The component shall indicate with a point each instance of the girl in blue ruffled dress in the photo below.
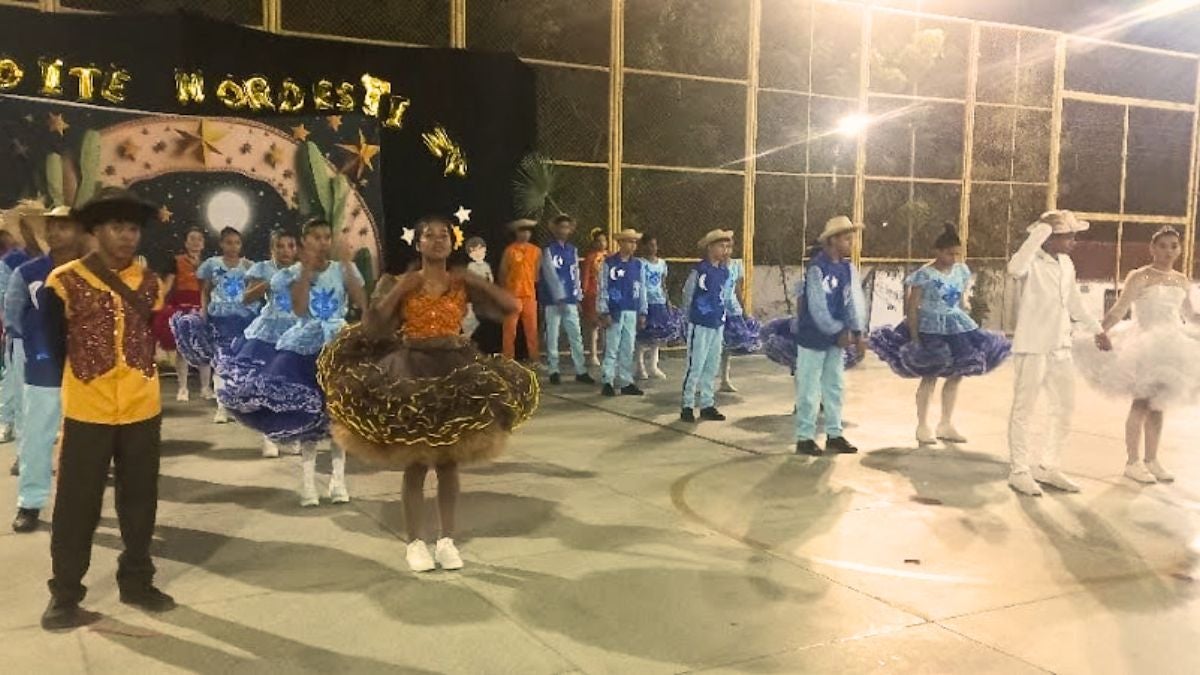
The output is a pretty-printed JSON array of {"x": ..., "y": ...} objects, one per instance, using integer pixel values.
[
  {"x": 663, "y": 320},
  {"x": 239, "y": 371},
  {"x": 939, "y": 339},
  {"x": 281, "y": 397},
  {"x": 205, "y": 338},
  {"x": 742, "y": 332}
]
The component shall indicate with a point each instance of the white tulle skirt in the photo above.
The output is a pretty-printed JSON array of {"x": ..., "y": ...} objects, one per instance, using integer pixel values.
[{"x": 1160, "y": 364}]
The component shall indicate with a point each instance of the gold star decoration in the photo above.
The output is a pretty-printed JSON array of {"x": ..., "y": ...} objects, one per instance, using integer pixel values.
[
  {"x": 20, "y": 149},
  {"x": 202, "y": 142},
  {"x": 360, "y": 156},
  {"x": 300, "y": 133},
  {"x": 334, "y": 121},
  {"x": 274, "y": 156},
  {"x": 128, "y": 149},
  {"x": 57, "y": 124},
  {"x": 164, "y": 215},
  {"x": 440, "y": 145}
]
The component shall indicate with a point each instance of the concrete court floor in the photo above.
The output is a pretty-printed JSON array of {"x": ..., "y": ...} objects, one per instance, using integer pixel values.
[{"x": 611, "y": 540}]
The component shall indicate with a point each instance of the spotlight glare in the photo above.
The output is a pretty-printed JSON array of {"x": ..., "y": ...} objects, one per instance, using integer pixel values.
[{"x": 853, "y": 125}]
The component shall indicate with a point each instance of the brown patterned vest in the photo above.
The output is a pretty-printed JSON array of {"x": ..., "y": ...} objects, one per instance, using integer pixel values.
[{"x": 92, "y": 333}]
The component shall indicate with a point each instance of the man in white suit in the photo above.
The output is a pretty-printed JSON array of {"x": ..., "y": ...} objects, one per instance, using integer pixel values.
[{"x": 1050, "y": 302}]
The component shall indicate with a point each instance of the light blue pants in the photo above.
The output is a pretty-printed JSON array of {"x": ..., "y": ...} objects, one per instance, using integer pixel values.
[
  {"x": 43, "y": 417},
  {"x": 704, "y": 347},
  {"x": 820, "y": 379},
  {"x": 565, "y": 317},
  {"x": 13, "y": 383},
  {"x": 617, "y": 368}
]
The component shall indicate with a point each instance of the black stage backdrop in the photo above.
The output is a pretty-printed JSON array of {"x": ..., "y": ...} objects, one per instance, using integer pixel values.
[{"x": 484, "y": 101}]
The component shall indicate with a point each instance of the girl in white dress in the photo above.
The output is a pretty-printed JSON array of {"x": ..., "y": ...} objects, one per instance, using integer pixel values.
[{"x": 1156, "y": 355}]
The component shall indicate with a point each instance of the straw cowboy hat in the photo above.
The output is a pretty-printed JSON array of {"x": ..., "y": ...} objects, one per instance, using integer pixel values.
[
  {"x": 715, "y": 236},
  {"x": 1061, "y": 222},
  {"x": 27, "y": 214},
  {"x": 837, "y": 225},
  {"x": 628, "y": 234},
  {"x": 522, "y": 224}
]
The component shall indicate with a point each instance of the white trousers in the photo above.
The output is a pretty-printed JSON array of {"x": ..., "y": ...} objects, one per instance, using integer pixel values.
[{"x": 1054, "y": 375}]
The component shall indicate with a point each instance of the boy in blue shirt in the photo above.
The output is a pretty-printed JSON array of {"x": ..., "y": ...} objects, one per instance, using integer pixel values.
[
  {"x": 705, "y": 302},
  {"x": 831, "y": 317},
  {"x": 562, "y": 289},
  {"x": 13, "y": 382},
  {"x": 621, "y": 306},
  {"x": 41, "y": 415}
]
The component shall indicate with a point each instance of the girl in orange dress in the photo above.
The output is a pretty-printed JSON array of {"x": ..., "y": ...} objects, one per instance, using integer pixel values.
[
  {"x": 406, "y": 388},
  {"x": 591, "y": 287},
  {"x": 181, "y": 288}
]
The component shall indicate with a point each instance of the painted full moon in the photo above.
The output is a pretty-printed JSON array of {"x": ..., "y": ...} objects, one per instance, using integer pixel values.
[{"x": 227, "y": 208}]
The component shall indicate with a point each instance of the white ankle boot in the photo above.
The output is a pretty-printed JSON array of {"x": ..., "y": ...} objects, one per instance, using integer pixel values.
[
  {"x": 338, "y": 494},
  {"x": 308, "y": 475}
]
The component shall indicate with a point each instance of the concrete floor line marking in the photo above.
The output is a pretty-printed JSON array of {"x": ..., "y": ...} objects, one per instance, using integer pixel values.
[
  {"x": 994, "y": 648},
  {"x": 463, "y": 583}
]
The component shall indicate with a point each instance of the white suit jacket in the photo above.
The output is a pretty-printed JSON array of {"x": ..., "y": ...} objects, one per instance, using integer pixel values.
[{"x": 1050, "y": 298}]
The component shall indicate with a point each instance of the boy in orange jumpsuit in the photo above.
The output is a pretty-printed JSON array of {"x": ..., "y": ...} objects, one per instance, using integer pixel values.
[{"x": 518, "y": 275}]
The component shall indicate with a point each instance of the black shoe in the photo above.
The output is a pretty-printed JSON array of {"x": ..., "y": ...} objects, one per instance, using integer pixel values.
[
  {"x": 15, "y": 469},
  {"x": 632, "y": 390},
  {"x": 584, "y": 378},
  {"x": 26, "y": 520},
  {"x": 841, "y": 446},
  {"x": 712, "y": 415},
  {"x": 148, "y": 598},
  {"x": 687, "y": 415},
  {"x": 61, "y": 615},
  {"x": 808, "y": 448},
  {"x": 608, "y": 390},
  {"x": 555, "y": 378}
]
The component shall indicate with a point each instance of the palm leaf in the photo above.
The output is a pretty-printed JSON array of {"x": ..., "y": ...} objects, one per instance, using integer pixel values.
[
  {"x": 89, "y": 166},
  {"x": 54, "y": 179},
  {"x": 534, "y": 186}
]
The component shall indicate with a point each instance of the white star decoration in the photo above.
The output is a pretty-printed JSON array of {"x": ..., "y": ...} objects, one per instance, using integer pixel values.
[
  {"x": 620, "y": 273},
  {"x": 463, "y": 214},
  {"x": 408, "y": 235}
]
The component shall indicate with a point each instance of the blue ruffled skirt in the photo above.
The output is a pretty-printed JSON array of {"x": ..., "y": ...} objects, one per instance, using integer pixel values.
[
  {"x": 779, "y": 345},
  {"x": 194, "y": 339},
  {"x": 664, "y": 325},
  {"x": 227, "y": 331},
  {"x": 273, "y": 391},
  {"x": 742, "y": 334},
  {"x": 959, "y": 355}
]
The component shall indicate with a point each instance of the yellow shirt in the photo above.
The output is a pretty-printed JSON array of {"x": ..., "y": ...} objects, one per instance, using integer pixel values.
[{"x": 110, "y": 376}]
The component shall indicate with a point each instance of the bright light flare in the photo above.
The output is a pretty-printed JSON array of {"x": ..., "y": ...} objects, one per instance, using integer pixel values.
[{"x": 853, "y": 125}]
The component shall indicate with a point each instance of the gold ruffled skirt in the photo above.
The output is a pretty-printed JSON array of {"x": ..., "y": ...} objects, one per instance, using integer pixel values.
[{"x": 401, "y": 402}]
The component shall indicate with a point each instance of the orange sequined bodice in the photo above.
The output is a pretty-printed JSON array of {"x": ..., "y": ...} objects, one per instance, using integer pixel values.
[
  {"x": 433, "y": 316},
  {"x": 185, "y": 274}
]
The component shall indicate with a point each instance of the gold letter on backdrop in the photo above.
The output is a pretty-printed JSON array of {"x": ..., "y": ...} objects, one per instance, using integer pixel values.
[
  {"x": 395, "y": 117},
  {"x": 231, "y": 94},
  {"x": 291, "y": 96},
  {"x": 87, "y": 81},
  {"x": 114, "y": 85},
  {"x": 258, "y": 94},
  {"x": 376, "y": 89},
  {"x": 345, "y": 92},
  {"x": 10, "y": 74},
  {"x": 323, "y": 95},
  {"x": 189, "y": 86},
  {"x": 51, "y": 76}
]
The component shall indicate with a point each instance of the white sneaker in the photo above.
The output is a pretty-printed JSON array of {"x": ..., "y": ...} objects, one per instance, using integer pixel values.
[
  {"x": 269, "y": 448},
  {"x": 1137, "y": 471},
  {"x": 1159, "y": 472},
  {"x": 727, "y": 387},
  {"x": 292, "y": 448},
  {"x": 418, "y": 556},
  {"x": 338, "y": 494},
  {"x": 659, "y": 374},
  {"x": 221, "y": 417},
  {"x": 1025, "y": 484},
  {"x": 207, "y": 394},
  {"x": 925, "y": 436},
  {"x": 447, "y": 554},
  {"x": 948, "y": 433},
  {"x": 1055, "y": 478},
  {"x": 308, "y": 495},
  {"x": 641, "y": 375},
  {"x": 6, "y": 433},
  {"x": 182, "y": 396}
]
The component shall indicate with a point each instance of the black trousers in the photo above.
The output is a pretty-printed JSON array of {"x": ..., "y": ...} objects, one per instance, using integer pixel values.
[{"x": 87, "y": 450}]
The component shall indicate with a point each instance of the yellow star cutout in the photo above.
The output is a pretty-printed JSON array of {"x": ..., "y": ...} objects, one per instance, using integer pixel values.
[
  {"x": 165, "y": 215},
  {"x": 57, "y": 124},
  {"x": 360, "y": 156},
  {"x": 202, "y": 142},
  {"x": 300, "y": 133},
  {"x": 128, "y": 149},
  {"x": 274, "y": 156},
  {"x": 334, "y": 121}
]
